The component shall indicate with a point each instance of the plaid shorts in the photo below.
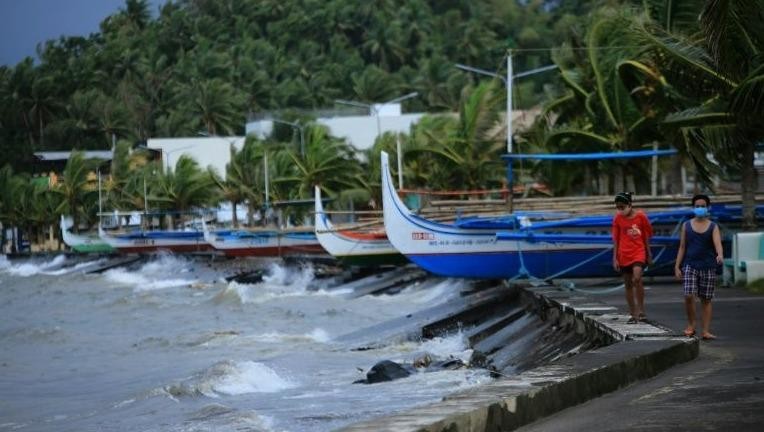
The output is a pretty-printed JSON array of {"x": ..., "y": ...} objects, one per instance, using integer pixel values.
[{"x": 699, "y": 282}]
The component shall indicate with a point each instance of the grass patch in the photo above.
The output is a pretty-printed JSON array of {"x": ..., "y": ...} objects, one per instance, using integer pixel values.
[{"x": 756, "y": 287}]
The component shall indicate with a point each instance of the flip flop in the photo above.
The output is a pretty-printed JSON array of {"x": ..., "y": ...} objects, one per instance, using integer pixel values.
[
  {"x": 642, "y": 317},
  {"x": 632, "y": 320},
  {"x": 708, "y": 337},
  {"x": 689, "y": 333}
]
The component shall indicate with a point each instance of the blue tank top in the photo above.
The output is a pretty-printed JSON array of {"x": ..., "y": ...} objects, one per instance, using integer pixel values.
[{"x": 700, "y": 253}]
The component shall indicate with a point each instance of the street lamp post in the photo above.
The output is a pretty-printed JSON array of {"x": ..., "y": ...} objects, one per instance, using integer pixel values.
[
  {"x": 508, "y": 84},
  {"x": 300, "y": 128},
  {"x": 375, "y": 109},
  {"x": 168, "y": 153}
]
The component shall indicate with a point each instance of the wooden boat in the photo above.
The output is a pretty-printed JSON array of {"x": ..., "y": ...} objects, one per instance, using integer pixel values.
[
  {"x": 83, "y": 243},
  {"x": 474, "y": 251},
  {"x": 354, "y": 246},
  {"x": 265, "y": 243},
  {"x": 139, "y": 241}
]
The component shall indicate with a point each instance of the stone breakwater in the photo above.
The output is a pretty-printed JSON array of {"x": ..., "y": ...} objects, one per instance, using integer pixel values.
[{"x": 621, "y": 354}]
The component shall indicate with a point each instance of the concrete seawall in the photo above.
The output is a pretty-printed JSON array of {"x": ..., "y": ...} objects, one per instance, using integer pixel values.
[{"x": 628, "y": 353}]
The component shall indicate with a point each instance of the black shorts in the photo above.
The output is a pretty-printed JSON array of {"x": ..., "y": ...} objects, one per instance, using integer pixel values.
[{"x": 629, "y": 269}]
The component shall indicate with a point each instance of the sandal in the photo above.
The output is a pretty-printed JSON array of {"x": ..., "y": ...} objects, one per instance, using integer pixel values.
[
  {"x": 632, "y": 320},
  {"x": 689, "y": 332},
  {"x": 708, "y": 337},
  {"x": 642, "y": 317}
]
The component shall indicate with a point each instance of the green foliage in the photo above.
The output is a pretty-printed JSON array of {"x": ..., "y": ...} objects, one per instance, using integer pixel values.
[{"x": 202, "y": 65}]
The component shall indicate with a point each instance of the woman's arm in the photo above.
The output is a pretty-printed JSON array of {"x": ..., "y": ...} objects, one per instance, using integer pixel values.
[
  {"x": 680, "y": 253},
  {"x": 717, "y": 236}
]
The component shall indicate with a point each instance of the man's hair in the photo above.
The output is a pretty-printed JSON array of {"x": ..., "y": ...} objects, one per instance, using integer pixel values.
[
  {"x": 703, "y": 197},
  {"x": 624, "y": 197}
]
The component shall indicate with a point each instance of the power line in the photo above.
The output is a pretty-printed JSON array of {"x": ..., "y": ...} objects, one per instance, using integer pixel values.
[{"x": 599, "y": 48}]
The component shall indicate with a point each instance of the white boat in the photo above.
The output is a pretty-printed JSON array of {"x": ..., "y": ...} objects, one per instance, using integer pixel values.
[
  {"x": 84, "y": 243},
  {"x": 451, "y": 250},
  {"x": 354, "y": 246},
  {"x": 271, "y": 243},
  {"x": 139, "y": 241}
]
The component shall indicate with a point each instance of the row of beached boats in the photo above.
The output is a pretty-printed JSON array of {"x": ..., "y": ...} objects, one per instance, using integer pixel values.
[{"x": 544, "y": 245}]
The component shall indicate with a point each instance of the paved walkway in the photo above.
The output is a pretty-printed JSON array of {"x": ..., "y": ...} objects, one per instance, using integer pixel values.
[{"x": 723, "y": 389}]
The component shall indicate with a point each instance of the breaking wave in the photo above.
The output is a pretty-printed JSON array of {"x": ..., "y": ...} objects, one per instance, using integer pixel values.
[
  {"x": 31, "y": 268},
  {"x": 278, "y": 282},
  {"x": 317, "y": 335},
  {"x": 153, "y": 275},
  {"x": 231, "y": 378}
]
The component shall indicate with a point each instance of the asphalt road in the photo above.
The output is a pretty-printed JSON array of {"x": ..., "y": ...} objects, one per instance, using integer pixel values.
[{"x": 723, "y": 389}]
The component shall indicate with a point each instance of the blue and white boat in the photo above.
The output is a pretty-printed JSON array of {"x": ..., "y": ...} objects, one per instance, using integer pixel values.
[
  {"x": 264, "y": 243},
  {"x": 139, "y": 241},
  {"x": 502, "y": 248}
]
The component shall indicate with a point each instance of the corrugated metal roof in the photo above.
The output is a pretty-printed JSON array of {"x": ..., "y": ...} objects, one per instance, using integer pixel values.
[{"x": 64, "y": 155}]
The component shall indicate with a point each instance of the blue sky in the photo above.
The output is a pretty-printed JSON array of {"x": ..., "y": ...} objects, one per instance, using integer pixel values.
[{"x": 25, "y": 23}]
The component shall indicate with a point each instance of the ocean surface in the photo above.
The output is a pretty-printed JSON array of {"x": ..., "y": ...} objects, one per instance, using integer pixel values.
[{"x": 170, "y": 345}]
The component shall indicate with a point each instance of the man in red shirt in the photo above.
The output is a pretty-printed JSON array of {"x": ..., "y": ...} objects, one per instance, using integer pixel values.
[{"x": 631, "y": 252}]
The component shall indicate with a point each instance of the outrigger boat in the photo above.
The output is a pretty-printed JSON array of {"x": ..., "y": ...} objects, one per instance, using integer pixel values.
[
  {"x": 354, "y": 246},
  {"x": 155, "y": 241},
  {"x": 270, "y": 243},
  {"x": 83, "y": 243},
  {"x": 139, "y": 240},
  {"x": 503, "y": 247}
]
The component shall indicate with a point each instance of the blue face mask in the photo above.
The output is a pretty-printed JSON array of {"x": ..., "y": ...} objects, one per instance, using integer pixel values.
[{"x": 700, "y": 212}]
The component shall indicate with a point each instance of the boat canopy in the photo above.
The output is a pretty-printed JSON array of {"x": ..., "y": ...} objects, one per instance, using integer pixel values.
[{"x": 590, "y": 156}]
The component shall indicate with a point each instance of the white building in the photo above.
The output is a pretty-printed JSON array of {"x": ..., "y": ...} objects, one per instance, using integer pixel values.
[
  {"x": 360, "y": 130},
  {"x": 207, "y": 151}
]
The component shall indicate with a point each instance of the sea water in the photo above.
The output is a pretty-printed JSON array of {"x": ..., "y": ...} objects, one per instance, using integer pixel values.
[{"x": 170, "y": 345}]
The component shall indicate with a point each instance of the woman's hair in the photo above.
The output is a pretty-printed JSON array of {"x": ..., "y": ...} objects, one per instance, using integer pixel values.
[
  {"x": 701, "y": 196},
  {"x": 623, "y": 197}
]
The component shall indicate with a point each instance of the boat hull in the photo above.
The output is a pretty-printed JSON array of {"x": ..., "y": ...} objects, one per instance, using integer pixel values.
[
  {"x": 84, "y": 243},
  {"x": 542, "y": 264},
  {"x": 264, "y": 244},
  {"x": 354, "y": 247},
  {"x": 448, "y": 250},
  {"x": 152, "y": 242}
]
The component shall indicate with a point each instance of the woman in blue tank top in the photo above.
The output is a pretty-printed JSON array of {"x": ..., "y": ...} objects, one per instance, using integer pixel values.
[{"x": 700, "y": 252}]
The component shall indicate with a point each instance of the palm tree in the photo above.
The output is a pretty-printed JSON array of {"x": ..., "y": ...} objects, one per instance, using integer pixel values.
[
  {"x": 328, "y": 161},
  {"x": 600, "y": 110},
  {"x": 74, "y": 187},
  {"x": 216, "y": 103},
  {"x": 718, "y": 77},
  {"x": 185, "y": 187},
  {"x": 233, "y": 189},
  {"x": 467, "y": 149},
  {"x": 13, "y": 188}
]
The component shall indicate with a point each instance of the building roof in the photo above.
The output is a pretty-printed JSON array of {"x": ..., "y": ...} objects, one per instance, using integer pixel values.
[{"x": 65, "y": 155}]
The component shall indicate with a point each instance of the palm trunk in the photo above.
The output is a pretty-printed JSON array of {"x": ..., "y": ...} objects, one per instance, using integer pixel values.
[
  {"x": 749, "y": 184},
  {"x": 235, "y": 218}
]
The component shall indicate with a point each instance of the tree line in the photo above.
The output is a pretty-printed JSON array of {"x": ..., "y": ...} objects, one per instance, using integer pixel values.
[{"x": 631, "y": 75}]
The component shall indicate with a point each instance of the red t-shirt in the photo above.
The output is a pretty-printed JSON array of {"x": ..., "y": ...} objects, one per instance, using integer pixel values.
[{"x": 631, "y": 234}]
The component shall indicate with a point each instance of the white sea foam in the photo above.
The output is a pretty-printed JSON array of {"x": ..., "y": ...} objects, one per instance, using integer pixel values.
[
  {"x": 251, "y": 377},
  {"x": 73, "y": 269},
  {"x": 432, "y": 292},
  {"x": 152, "y": 275},
  {"x": 231, "y": 378},
  {"x": 165, "y": 262},
  {"x": 33, "y": 268},
  {"x": 287, "y": 279},
  {"x": 317, "y": 335},
  {"x": 278, "y": 282},
  {"x": 454, "y": 345},
  {"x": 439, "y": 348},
  {"x": 143, "y": 283}
]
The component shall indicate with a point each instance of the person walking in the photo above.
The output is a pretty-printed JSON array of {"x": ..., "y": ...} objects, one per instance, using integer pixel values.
[
  {"x": 631, "y": 252},
  {"x": 700, "y": 253}
]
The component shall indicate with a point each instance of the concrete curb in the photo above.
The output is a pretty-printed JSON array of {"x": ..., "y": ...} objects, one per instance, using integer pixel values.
[{"x": 634, "y": 352}]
